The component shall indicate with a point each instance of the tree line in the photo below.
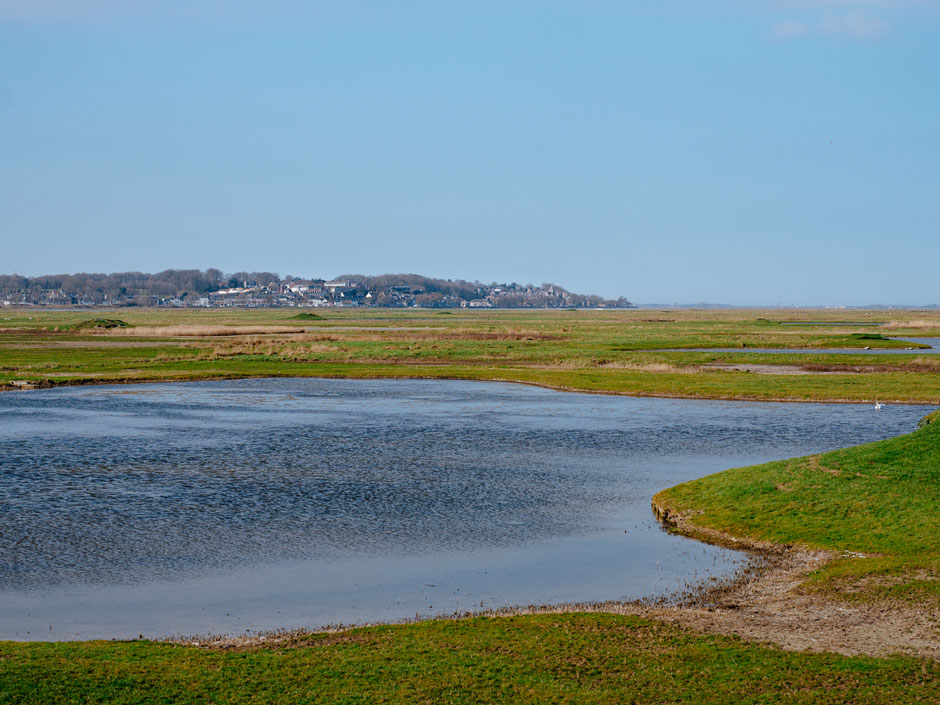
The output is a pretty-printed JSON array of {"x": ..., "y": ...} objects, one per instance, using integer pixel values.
[{"x": 139, "y": 288}]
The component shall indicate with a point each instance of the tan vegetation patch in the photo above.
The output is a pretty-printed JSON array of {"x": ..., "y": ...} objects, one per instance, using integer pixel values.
[
  {"x": 267, "y": 347},
  {"x": 589, "y": 363},
  {"x": 190, "y": 330},
  {"x": 813, "y": 463},
  {"x": 916, "y": 323},
  {"x": 660, "y": 367},
  {"x": 454, "y": 334}
]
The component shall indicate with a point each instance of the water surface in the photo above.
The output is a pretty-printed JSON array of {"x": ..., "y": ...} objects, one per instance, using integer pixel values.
[
  {"x": 257, "y": 504},
  {"x": 933, "y": 350}
]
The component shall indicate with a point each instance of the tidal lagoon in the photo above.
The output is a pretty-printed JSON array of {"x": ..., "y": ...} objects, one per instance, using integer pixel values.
[{"x": 252, "y": 505}]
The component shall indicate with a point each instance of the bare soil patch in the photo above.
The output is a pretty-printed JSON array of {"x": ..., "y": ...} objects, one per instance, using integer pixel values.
[
  {"x": 765, "y": 603},
  {"x": 769, "y": 607},
  {"x": 918, "y": 365},
  {"x": 774, "y": 369}
]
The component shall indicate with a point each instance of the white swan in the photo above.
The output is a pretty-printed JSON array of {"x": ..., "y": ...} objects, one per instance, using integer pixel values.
[{"x": 879, "y": 405}]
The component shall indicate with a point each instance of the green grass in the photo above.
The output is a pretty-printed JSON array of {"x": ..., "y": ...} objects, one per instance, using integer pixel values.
[
  {"x": 878, "y": 500},
  {"x": 569, "y": 658},
  {"x": 623, "y": 352}
]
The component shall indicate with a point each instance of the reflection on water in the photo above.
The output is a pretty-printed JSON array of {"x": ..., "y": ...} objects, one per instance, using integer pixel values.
[{"x": 257, "y": 504}]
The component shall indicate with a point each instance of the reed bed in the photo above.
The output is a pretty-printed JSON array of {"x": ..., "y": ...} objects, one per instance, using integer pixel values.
[
  {"x": 270, "y": 348},
  {"x": 919, "y": 323},
  {"x": 197, "y": 331}
]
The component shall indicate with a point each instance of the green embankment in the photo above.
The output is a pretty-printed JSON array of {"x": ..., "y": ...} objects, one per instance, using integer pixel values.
[
  {"x": 574, "y": 658},
  {"x": 878, "y": 505}
]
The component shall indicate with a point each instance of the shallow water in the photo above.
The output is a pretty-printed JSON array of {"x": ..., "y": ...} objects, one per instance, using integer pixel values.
[
  {"x": 257, "y": 504},
  {"x": 933, "y": 350}
]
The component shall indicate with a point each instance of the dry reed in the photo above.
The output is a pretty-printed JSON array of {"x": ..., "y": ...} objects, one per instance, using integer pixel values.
[
  {"x": 917, "y": 323},
  {"x": 182, "y": 331}
]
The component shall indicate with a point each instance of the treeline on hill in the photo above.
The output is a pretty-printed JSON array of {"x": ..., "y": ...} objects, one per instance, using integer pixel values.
[
  {"x": 189, "y": 287},
  {"x": 121, "y": 286},
  {"x": 416, "y": 283},
  {"x": 503, "y": 295}
]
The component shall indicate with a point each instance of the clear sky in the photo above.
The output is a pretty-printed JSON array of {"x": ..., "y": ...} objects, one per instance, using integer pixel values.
[{"x": 754, "y": 152}]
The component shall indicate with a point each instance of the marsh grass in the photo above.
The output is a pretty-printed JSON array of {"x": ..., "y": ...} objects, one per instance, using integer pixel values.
[
  {"x": 542, "y": 658},
  {"x": 619, "y": 352},
  {"x": 196, "y": 331},
  {"x": 876, "y": 504},
  {"x": 914, "y": 324}
]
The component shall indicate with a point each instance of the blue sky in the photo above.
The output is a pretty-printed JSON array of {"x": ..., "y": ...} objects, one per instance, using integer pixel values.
[{"x": 761, "y": 152}]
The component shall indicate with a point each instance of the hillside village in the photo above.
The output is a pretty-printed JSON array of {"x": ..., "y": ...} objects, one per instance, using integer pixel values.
[{"x": 212, "y": 289}]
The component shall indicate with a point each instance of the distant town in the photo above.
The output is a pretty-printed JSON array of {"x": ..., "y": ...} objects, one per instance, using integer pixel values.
[{"x": 175, "y": 288}]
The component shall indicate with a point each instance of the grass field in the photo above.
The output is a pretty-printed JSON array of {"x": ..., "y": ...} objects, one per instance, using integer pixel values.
[
  {"x": 876, "y": 504},
  {"x": 571, "y": 658},
  {"x": 637, "y": 352}
]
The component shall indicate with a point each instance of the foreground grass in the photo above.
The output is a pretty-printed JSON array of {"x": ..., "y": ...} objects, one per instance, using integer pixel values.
[
  {"x": 568, "y": 658},
  {"x": 635, "y": 352},
  {"x": 876, "y": 504}
]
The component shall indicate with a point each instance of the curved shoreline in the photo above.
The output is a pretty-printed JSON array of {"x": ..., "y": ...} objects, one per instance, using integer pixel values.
[
  {"x": 12, "y": 386},
  {"x": 772, "y": 608},
  {"x": 759, "y": 603}
]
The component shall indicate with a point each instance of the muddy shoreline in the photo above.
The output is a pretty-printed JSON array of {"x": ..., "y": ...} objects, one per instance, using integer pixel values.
[{"x": 761, "y": 602}]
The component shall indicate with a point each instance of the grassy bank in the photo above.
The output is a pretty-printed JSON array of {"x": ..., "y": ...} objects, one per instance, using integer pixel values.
[
  {"x": 574, "y": 658},
  {"x": 622, "y": 352},
  {"x": 875, "y": 504}
]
